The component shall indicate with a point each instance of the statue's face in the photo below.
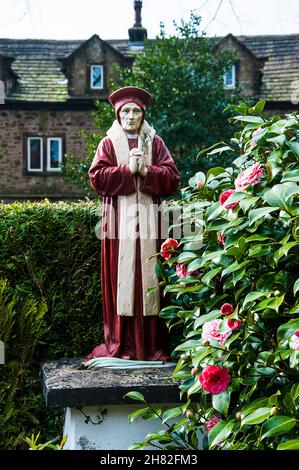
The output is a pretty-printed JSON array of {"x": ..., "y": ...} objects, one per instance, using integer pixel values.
[{"x": 131, "y": 117}]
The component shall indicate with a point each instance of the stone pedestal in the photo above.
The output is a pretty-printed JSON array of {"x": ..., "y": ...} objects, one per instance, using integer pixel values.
[{"x": 96, "y": 413}]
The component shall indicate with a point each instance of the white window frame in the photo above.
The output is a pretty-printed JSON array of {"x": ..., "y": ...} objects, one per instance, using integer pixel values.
[
  {"x": 49, "y": 139},
  {"x": 101, "y": 86},
  {"x": 29, "y": 154},
  {"x": 233, "y": 84}
]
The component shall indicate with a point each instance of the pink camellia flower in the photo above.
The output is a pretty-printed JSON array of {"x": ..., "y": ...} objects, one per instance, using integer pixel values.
[
  {"x": 226, "y": 309},
  {"x": 211, "y": 423},
  {"x": 214, "y": 379},
  {"x": 249, "y": 177},
  {"x": 181, "y": 271},
  {"x": 224, "y": 196},
  {"x": 295, "y": 344},
  {"x": 252, "y": 143},
  {"x": 234, "y": 324},
  {"x": 168, "y": 247},
  {"x": 210, "y": 330},
  {"x": 257, "y": 131},
  {"x": 221, "y": 238},
  {"x": 297, "y": 333}
]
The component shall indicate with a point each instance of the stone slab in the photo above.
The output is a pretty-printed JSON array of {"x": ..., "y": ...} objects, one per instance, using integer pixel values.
[{"x": 67, "y": 384}]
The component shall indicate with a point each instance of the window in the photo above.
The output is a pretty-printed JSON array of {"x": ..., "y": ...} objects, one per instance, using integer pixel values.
[
  {"x": 54, "y": 153},
  {"x": 34, "y": 154},
  {"x": 230, "y": 78},
  {"x": 96, "y": 77},
  {"x": 44, "y": 154}
]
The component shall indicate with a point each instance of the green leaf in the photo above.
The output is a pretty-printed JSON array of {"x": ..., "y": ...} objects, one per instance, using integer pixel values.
[
  {"x": 220, "y": 432},
  {"x": 253, "y": 119},
  {"x": 158, "y": 436},
  {"x": 248, "y": 203},
  {"x": 206, "y": 279},
  {"x": 294, "y": 146},
  {"x": 296, "y": 287},
  {"x": 295, "y": 392},
  {"x": 221, "y": 401},
  {"x": 287, "y": 329},
  {"x": 289, "y": 403},
  {"x": 196, "y": 360},
  {"x": 255, "y": 405},
  {"x": 205, "y": 150},
  {"x": 214, "y": 211},
  {"x": 273, "y": 302},
  {"x": 260, "y": 250},
  {"x": 259, "y": 107},
  {"x": 194, "y": 265},
  {"x": 292, "y": 175},
  {"x": 172, "y": 413},
  {"x": 135, "y": 396},
  {"x": 205, "y": 318},
  {"x": 211, "y": 256},
  {"x": 237, "y": 197},
  {"x": 257, "y": 238},
  {"x": 217, "y": 170},
  {"x": 194, "y": 388},
  {"x": 135, "y": 414},
  {"x": 219, "y": 150},
  {"x": 283, "y": 250},
  {"x": 256, "y": 214},
  {"x": 188, "y": 345},
  {"x": 277, "y": 425},
  {"x": 186, "y": 256},
  {"x": 257, "y": 416},
  {"x": 292, "y": 444},
  {"x": 234, "y": 267},
  {"x": 281, "y": 195},
  {"x": 152, "y": 414},
  {"x": 252, "y": 296}
]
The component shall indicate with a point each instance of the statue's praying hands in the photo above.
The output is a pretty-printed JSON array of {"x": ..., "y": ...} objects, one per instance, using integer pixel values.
[{"x": 137, "y": 162}]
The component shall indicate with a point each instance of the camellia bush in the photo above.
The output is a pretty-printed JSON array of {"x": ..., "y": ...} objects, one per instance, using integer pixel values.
[{"x": 233, "y": 290}]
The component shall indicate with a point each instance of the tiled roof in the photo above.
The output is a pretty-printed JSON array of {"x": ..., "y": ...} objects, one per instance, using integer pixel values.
[
  {"x": 281, "y": 68},
  {"x": 39, "y": 72},
  {"x": 40, "y": 77}
]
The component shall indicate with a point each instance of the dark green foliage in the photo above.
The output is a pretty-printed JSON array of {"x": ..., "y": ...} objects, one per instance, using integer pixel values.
[
  {"x": 246, "y": 257},
  {"x": 185, "y": 77},
  {"x": 50, "y": 305}
]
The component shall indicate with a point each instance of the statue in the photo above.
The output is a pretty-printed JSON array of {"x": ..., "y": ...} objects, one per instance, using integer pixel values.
[{"x": 132, "y": 169}]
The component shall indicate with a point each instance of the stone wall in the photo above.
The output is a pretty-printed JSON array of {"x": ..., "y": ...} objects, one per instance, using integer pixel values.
[{"x": 15, "y": 125}]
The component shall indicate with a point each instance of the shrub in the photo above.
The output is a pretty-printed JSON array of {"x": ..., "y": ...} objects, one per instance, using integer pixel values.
[
  {"x": 50, "y": 305},
  {"x": 238, "y": 358}
]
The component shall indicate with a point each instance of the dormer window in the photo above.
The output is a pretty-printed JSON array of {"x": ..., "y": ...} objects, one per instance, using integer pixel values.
[
  {"x": 96, "y": 77},
  {"x": 229, "y": 78}
]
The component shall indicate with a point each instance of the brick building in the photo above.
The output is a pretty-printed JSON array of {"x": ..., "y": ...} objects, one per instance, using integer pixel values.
[{"x": 50, "y": 88}]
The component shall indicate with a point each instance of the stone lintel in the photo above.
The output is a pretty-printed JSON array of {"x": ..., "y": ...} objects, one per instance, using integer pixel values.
[{"x": 67, "y": 384}]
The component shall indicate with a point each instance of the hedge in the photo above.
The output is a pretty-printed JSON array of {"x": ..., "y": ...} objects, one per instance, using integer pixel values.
[{"x": 50, "y": 305}]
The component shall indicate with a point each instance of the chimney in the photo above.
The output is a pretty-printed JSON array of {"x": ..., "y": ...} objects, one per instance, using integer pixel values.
[{"x": 137, "y": 34}]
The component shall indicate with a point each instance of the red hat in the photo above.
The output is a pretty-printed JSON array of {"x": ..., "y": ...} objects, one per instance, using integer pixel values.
[{"x": 130, "y": 94}]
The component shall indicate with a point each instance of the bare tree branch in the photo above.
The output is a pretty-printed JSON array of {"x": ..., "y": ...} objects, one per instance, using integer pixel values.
[
  {"x": 215, "y": 15},
  {"x": 235, "y": 14}
]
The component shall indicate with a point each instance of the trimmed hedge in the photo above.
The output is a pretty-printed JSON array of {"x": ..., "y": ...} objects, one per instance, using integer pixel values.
[{"x": 50, "y": 304}]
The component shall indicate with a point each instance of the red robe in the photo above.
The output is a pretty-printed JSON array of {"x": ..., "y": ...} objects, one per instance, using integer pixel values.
[{"x": 138, "y": 337}]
